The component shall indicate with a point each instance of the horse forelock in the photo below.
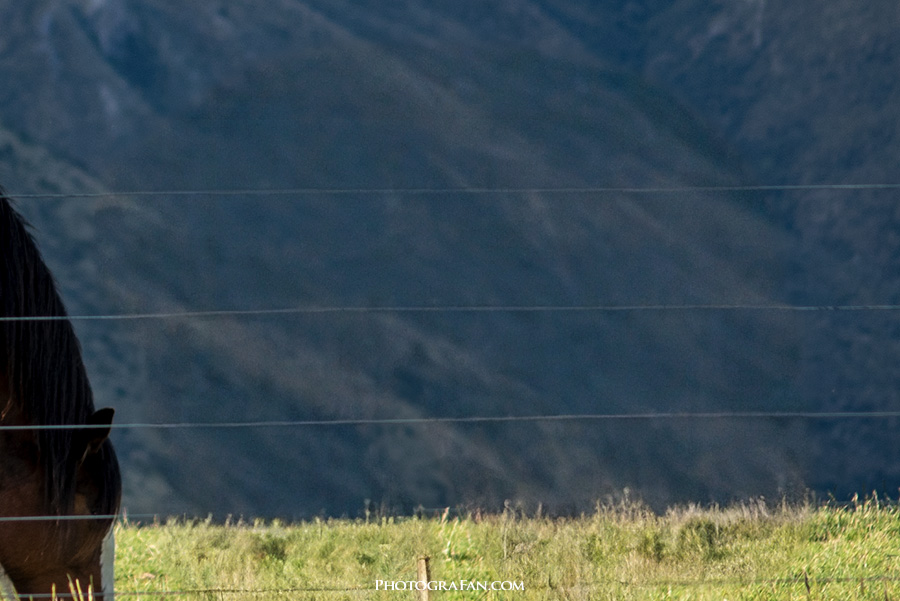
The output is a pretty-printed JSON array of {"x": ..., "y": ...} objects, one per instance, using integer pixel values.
[{"x": 43, "y": 362}]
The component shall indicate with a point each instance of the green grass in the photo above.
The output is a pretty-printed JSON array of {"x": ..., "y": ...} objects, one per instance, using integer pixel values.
[{"x": 750, "y": 551}]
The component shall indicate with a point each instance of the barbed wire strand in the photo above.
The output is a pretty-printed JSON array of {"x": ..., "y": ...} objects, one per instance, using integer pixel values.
[
  {"x": 431, "y": 191},
  {"x": 481, "y": 419},
  {"x": 314, "y": 310},
  {"x": 790, "y": 580}
]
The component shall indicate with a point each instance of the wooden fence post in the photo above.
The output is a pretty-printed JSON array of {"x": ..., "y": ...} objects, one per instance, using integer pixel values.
[{"x": 424, "y": 577}]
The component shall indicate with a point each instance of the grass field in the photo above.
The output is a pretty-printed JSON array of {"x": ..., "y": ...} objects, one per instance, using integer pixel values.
[{"x": 750, "y": 551}]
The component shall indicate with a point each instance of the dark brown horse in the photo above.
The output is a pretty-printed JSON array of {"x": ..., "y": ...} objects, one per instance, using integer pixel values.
[{"x": 52, "y": 480}]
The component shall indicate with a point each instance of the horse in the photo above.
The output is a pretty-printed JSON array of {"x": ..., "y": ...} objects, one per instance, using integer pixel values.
[{"x": 53, "y": 480}]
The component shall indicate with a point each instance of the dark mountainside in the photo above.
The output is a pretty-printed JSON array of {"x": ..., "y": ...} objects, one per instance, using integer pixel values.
[{"x": 129, "y": 96}]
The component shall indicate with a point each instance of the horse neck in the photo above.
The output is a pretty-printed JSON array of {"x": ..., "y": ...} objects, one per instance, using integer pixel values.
[
  {"x": 17, "y": 447},
  {"x": 44, "y": 371}
]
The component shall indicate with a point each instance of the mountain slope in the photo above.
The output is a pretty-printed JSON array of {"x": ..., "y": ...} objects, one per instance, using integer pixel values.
[{"x": 340, "y": 99}]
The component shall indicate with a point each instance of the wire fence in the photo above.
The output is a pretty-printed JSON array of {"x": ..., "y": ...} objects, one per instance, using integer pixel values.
[
  {"x": 802, "y": 580},
  {"x": 479, "y": 191},
  {"x": 500, "y": 419},
  {"x": 405, "y": 421},
  {"x": 315, "y": 310}
]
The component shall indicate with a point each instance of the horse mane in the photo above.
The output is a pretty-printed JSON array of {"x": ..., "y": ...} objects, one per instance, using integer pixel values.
[{"x": 44, "y": 367}]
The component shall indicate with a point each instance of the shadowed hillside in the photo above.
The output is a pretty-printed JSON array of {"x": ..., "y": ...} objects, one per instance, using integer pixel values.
[{"x": 516, "y": 95}]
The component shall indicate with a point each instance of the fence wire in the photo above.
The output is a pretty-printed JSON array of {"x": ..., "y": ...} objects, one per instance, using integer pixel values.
[
  {"x": 487, "y": 419},
  {"x": 318, "y": 310},
  {"x": 474, "y": 190},
  {"x": 805, "y": 581}
]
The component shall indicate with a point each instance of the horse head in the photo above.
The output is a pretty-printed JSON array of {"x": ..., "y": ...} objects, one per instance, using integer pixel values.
[
  {"x": 59, "y": 478},
  {"x": 41, "y": 553}
]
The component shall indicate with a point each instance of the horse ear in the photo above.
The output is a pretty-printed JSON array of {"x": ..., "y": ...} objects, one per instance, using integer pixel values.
[{"x": 90, "y": 439}]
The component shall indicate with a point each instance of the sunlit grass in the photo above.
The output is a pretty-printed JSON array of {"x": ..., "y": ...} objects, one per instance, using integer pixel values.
[{"x": 750, "y": 552}]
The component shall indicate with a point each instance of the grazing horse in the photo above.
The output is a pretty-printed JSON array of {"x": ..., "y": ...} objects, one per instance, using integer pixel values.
[{"x": 61, "y": 475}]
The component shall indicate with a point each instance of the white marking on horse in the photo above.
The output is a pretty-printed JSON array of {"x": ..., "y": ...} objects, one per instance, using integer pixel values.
[
  {"x": 107, "y": 565},
  {"x": 7, "y": 590}
]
